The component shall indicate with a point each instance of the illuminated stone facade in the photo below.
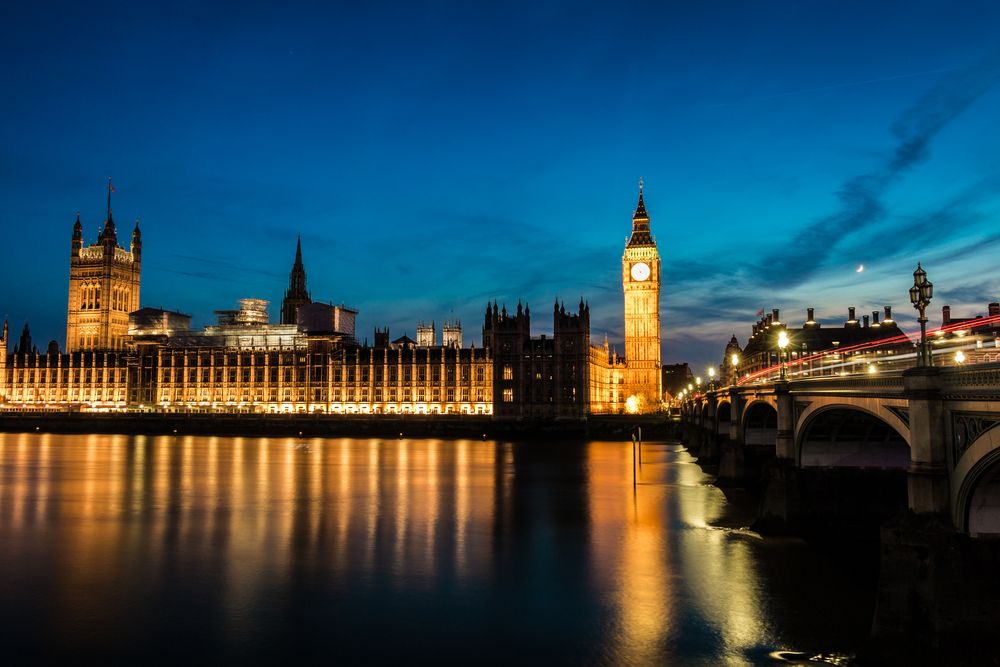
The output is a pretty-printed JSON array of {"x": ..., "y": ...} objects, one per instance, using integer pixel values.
[
  {"x": 56, "y": 380},
  {"x": 641, "y": 284},
  {"x": 103, "y": 288},
  {"x": 607, "y": 380},
  {"x": 121, "y": 357}
]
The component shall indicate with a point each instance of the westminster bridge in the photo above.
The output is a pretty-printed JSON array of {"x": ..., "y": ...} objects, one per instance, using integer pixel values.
[
  {"x": 915, "y": 452},
  {"x": 939, "y": 426}
]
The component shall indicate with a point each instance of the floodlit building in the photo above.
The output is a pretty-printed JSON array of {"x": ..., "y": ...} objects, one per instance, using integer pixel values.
[
  {"x": 120, "y": 356},
  {"x": 103, "y": 287}
]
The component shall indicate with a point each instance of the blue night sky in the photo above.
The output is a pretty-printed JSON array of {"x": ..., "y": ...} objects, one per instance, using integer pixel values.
[{"x": 437, "y": 155}]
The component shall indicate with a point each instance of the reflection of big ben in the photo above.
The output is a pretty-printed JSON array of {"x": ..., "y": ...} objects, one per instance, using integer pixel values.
[{"x": 641, "y": 282}]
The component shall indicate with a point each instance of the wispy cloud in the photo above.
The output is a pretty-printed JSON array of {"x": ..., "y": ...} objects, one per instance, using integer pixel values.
[{"x": 861, "y": 195}]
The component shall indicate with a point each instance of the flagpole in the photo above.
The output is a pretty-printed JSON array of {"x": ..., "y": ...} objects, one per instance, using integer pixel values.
[{"x": 109, "y": 198}]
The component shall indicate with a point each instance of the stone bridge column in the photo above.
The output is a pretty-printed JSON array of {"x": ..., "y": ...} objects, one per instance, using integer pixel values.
[
  {"x": 736, "y": 416},
  {"x": 784, "y": 445},
  {"x": 928, "y": 480},
  {"x": 711, "y": 407},
  {"x": 709, "y": 428}
]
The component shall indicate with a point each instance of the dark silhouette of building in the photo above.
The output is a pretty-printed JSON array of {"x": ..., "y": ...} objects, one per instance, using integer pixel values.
[
  {"x": 539, "y": 377},
  {"x": 675, "y": 378},
  {"x": 296, "y": 295}
]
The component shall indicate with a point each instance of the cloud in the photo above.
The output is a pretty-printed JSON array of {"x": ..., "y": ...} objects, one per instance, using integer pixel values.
[
  {"x": 861, "y": 195},
  {"x": 977, "y": 293}
]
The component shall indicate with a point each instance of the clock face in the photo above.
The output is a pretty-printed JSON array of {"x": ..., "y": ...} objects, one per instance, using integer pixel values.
[{"x": 640, "y": 271}]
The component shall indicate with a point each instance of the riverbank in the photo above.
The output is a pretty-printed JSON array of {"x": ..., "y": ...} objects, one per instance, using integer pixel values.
[{"x": 611, "y": 427}]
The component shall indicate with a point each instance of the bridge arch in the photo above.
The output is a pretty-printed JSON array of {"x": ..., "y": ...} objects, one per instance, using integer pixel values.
[
  {"x": 760, "y": 424},
  {"x": 850, "y": 436},
  {"x": 977, "y": 505},
  {"x": 723, "y": 417}
]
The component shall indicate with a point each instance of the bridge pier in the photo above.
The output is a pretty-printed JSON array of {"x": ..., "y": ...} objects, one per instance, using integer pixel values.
[
  {"x": 936, "y": 585},
  {"x": 928, "y": 479},
  {"x": 938, "y": 597},
  {"x": 784, "y": 445},
  {"x": 896, "y": 467}
]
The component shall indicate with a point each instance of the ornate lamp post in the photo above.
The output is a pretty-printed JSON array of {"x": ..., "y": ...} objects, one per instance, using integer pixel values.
[
  {"x": 782, "y": 344},
  {"x": 735, "y": 362},
  {"x": 711, "y": 377},
  {"x": 920, "y": 297}
]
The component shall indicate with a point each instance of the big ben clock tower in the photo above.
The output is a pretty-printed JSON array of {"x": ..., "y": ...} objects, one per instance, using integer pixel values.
[{"x": 641, "y": 283}]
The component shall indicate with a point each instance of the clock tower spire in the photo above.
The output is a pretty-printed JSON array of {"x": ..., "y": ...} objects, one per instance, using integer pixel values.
[{"x": 641, "y": 285}]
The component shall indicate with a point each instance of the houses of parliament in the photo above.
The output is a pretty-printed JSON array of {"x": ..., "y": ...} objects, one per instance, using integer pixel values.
[{"x": 120, "y": 356}]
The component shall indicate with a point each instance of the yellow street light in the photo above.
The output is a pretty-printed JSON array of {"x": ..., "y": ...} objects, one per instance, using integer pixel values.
[
  {"x": 782, "y": 344},
  {"x": 959, "y": 357}
]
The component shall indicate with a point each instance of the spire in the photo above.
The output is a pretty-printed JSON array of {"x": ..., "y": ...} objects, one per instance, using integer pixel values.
[
  {"x": 25, "y": 343},
  {"x": 640, "y": 208},
  {"x": 296, "y": 295},
  {"x": 109, "y": 232},
  {"x": 640, "y": 224}
]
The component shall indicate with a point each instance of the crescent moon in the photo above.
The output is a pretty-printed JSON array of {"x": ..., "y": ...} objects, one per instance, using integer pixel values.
[{"x": 861, "y": 267}]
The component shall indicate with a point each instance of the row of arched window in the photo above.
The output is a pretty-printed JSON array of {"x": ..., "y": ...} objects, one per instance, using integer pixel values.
[{"x": 90, "y": 297}]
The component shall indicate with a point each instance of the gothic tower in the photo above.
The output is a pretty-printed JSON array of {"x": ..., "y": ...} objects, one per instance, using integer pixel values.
[
  {"x": 641, "y": 284},
  {"x": 296, "y": 295},
  {"x": 103, "y": 287}
]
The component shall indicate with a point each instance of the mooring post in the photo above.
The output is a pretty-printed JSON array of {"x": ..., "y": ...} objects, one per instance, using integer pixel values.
[
  {"x": 640, "y": 447},
  {"x": 633, "y": 460}
]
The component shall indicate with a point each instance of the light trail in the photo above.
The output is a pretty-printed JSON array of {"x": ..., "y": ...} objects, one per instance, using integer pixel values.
[{"x": 884, "y": 363}]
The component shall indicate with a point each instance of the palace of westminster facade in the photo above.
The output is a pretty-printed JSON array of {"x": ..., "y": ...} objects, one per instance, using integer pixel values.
[{"x": 121, "y": 357}]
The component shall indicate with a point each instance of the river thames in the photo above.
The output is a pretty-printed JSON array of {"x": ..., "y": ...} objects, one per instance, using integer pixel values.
[{"x": 211, "y": 549}]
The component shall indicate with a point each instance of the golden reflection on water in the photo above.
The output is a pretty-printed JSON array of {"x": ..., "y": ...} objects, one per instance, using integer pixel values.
[{"x": 256, "y": 515}]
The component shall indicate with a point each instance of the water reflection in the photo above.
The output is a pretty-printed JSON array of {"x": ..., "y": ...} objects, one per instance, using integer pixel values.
[{"x": 375, "y": 549}]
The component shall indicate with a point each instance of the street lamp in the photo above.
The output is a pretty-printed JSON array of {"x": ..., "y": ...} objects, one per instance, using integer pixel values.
[
  {"x": 711, "y": 377},
  {"x": 959, "y": 357},
  {"x": 735, "y": 362},
  {"x": 920, "y": 297},
  {"x": 782, "y": 344}
]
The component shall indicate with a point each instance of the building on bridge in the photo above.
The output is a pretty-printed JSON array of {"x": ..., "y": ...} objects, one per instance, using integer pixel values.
[
  {"x": 977, "y": 338},
  {"x": 856, "y": 344}
]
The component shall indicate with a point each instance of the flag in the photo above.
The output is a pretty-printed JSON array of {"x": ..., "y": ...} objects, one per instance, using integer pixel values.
[
  {"x": 760, "y": 313},
  {"x": 111, "y": 188}
]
